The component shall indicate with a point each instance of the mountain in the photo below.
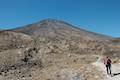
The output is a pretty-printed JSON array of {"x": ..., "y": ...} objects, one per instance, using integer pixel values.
[
  {"x": 53, "y": 50},
  {"x": 56, "y": 28}
]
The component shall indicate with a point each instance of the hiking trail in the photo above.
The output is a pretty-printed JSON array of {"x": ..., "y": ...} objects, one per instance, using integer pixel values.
[{"x": 115, "y": 70}]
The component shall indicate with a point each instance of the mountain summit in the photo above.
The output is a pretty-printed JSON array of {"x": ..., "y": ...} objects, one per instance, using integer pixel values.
[{"x": 57, "y": 28}]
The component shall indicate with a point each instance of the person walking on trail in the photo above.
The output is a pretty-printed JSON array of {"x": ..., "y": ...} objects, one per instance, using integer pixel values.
[{"x": 107, "y": 62}]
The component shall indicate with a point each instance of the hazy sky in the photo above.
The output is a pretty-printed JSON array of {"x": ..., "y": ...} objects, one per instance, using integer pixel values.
[{"x": 102, "y": 16}]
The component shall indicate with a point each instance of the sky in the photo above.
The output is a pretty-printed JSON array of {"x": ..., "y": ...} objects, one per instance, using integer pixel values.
[{"x": 101, "y": 16}]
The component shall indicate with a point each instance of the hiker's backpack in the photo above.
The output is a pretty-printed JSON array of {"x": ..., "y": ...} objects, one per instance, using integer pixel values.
[{"x": 108, "y": 61}]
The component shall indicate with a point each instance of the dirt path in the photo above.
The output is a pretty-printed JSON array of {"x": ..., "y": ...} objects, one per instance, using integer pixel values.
[{"x": 115, "y": 70}]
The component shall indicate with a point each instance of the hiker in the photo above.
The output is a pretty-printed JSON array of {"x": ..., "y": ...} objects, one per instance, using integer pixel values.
[{"x": 107, "y": 62}]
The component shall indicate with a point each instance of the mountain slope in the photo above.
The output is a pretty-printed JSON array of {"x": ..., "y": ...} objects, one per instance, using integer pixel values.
[
  {"x": 56, "y": 28},
  {"x": 13, "y": 40}
]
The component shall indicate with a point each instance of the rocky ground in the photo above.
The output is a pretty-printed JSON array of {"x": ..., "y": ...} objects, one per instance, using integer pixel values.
[{"x": 66, "y": 67}]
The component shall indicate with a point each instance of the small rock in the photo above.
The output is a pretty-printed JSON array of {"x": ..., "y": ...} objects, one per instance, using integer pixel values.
[
  {"x": 58, "y": 75},
  {"x": 30, "y": 75}
]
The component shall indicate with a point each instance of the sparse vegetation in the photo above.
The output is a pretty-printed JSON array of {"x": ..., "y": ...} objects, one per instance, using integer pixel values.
[{"x": 52, "y": 50}]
